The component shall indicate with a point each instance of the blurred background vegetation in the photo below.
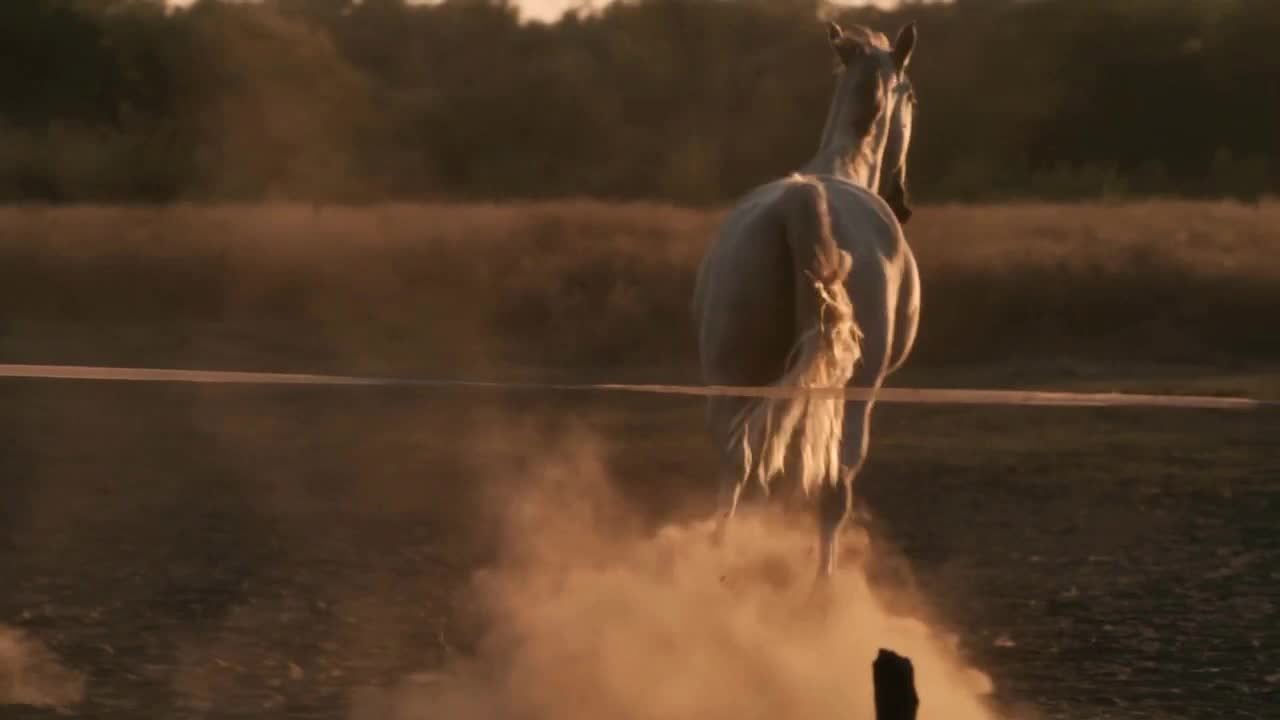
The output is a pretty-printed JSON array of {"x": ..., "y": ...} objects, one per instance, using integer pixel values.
[{"x": 687, "y": 101}]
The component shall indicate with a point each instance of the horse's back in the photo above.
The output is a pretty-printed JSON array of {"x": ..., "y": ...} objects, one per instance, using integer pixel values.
[
  {"x": 744, "y": 300},
  {"x": 866, "y": 228},
  {"x": 863, "y": 224}
]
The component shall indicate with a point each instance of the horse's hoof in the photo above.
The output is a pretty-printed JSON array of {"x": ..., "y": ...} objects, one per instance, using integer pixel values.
[{"x": 822, "y": 594}]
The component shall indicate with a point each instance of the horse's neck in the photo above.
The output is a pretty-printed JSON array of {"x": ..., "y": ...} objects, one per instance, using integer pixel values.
[
  {"x": 841, "y": 153},
  {"x": 855, "y": 164}
]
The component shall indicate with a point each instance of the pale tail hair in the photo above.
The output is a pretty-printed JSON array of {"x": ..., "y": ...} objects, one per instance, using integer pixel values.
[{"x": 801, "y": 435}]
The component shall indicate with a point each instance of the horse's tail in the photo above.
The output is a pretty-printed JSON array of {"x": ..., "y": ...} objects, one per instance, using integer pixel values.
[{"x": 801, "y": 435}]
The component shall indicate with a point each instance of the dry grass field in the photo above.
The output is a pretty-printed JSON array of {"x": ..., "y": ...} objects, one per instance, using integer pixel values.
[
  {"x": 213, "y": 552},
  {"x": 584, "y": 286}
]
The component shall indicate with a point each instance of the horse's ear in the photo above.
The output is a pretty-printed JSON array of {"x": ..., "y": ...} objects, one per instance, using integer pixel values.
[
  {"x": 845, "y": 47},
  {"x": 834, "y": 33},
  {"x": 904, "y": 45}
]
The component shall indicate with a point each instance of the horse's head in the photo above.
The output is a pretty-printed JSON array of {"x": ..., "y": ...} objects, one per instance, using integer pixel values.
[
  {"x": 893, "y": 170},
  {"x": 878, "y": 94}
]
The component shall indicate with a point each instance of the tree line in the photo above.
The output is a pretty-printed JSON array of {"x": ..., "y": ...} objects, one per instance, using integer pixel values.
[{"x": 690, "y": 101}]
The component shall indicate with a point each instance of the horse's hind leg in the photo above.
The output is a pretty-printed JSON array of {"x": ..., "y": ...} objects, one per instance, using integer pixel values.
[
  {"x": 836, "y": 501},
  {"x": 732, "y": 470},
  {"x": 731, "y": 485}
]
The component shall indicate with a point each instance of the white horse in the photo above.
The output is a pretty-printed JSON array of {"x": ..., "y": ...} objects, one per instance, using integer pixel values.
[{"x": 810, "y": 284}]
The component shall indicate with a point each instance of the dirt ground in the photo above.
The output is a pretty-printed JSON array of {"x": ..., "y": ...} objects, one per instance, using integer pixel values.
[
  {"x": 230, "y": 552},
  {"x": 215, "y": 552}
]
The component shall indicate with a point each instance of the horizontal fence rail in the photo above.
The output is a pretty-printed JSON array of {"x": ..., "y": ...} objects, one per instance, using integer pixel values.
[{"x": 920, "y": 396}]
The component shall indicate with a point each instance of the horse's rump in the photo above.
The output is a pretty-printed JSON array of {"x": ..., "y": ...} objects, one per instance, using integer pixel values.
[{"x": 800, "y": 436}]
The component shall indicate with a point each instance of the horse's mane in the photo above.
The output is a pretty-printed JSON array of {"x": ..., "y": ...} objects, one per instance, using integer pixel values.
[{"x": 863, "y": 35}]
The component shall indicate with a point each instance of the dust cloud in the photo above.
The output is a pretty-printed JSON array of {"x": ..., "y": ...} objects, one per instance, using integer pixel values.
[
  {"x": 590, "y": 616},
  {"x": 30, "y": 674}
]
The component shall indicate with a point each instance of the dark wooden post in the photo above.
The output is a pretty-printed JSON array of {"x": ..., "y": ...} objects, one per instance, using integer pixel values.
[{"x": 895, "y": 683}]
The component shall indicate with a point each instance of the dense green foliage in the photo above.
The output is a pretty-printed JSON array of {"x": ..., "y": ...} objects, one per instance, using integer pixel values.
[{"x": 687, "y": 100}]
